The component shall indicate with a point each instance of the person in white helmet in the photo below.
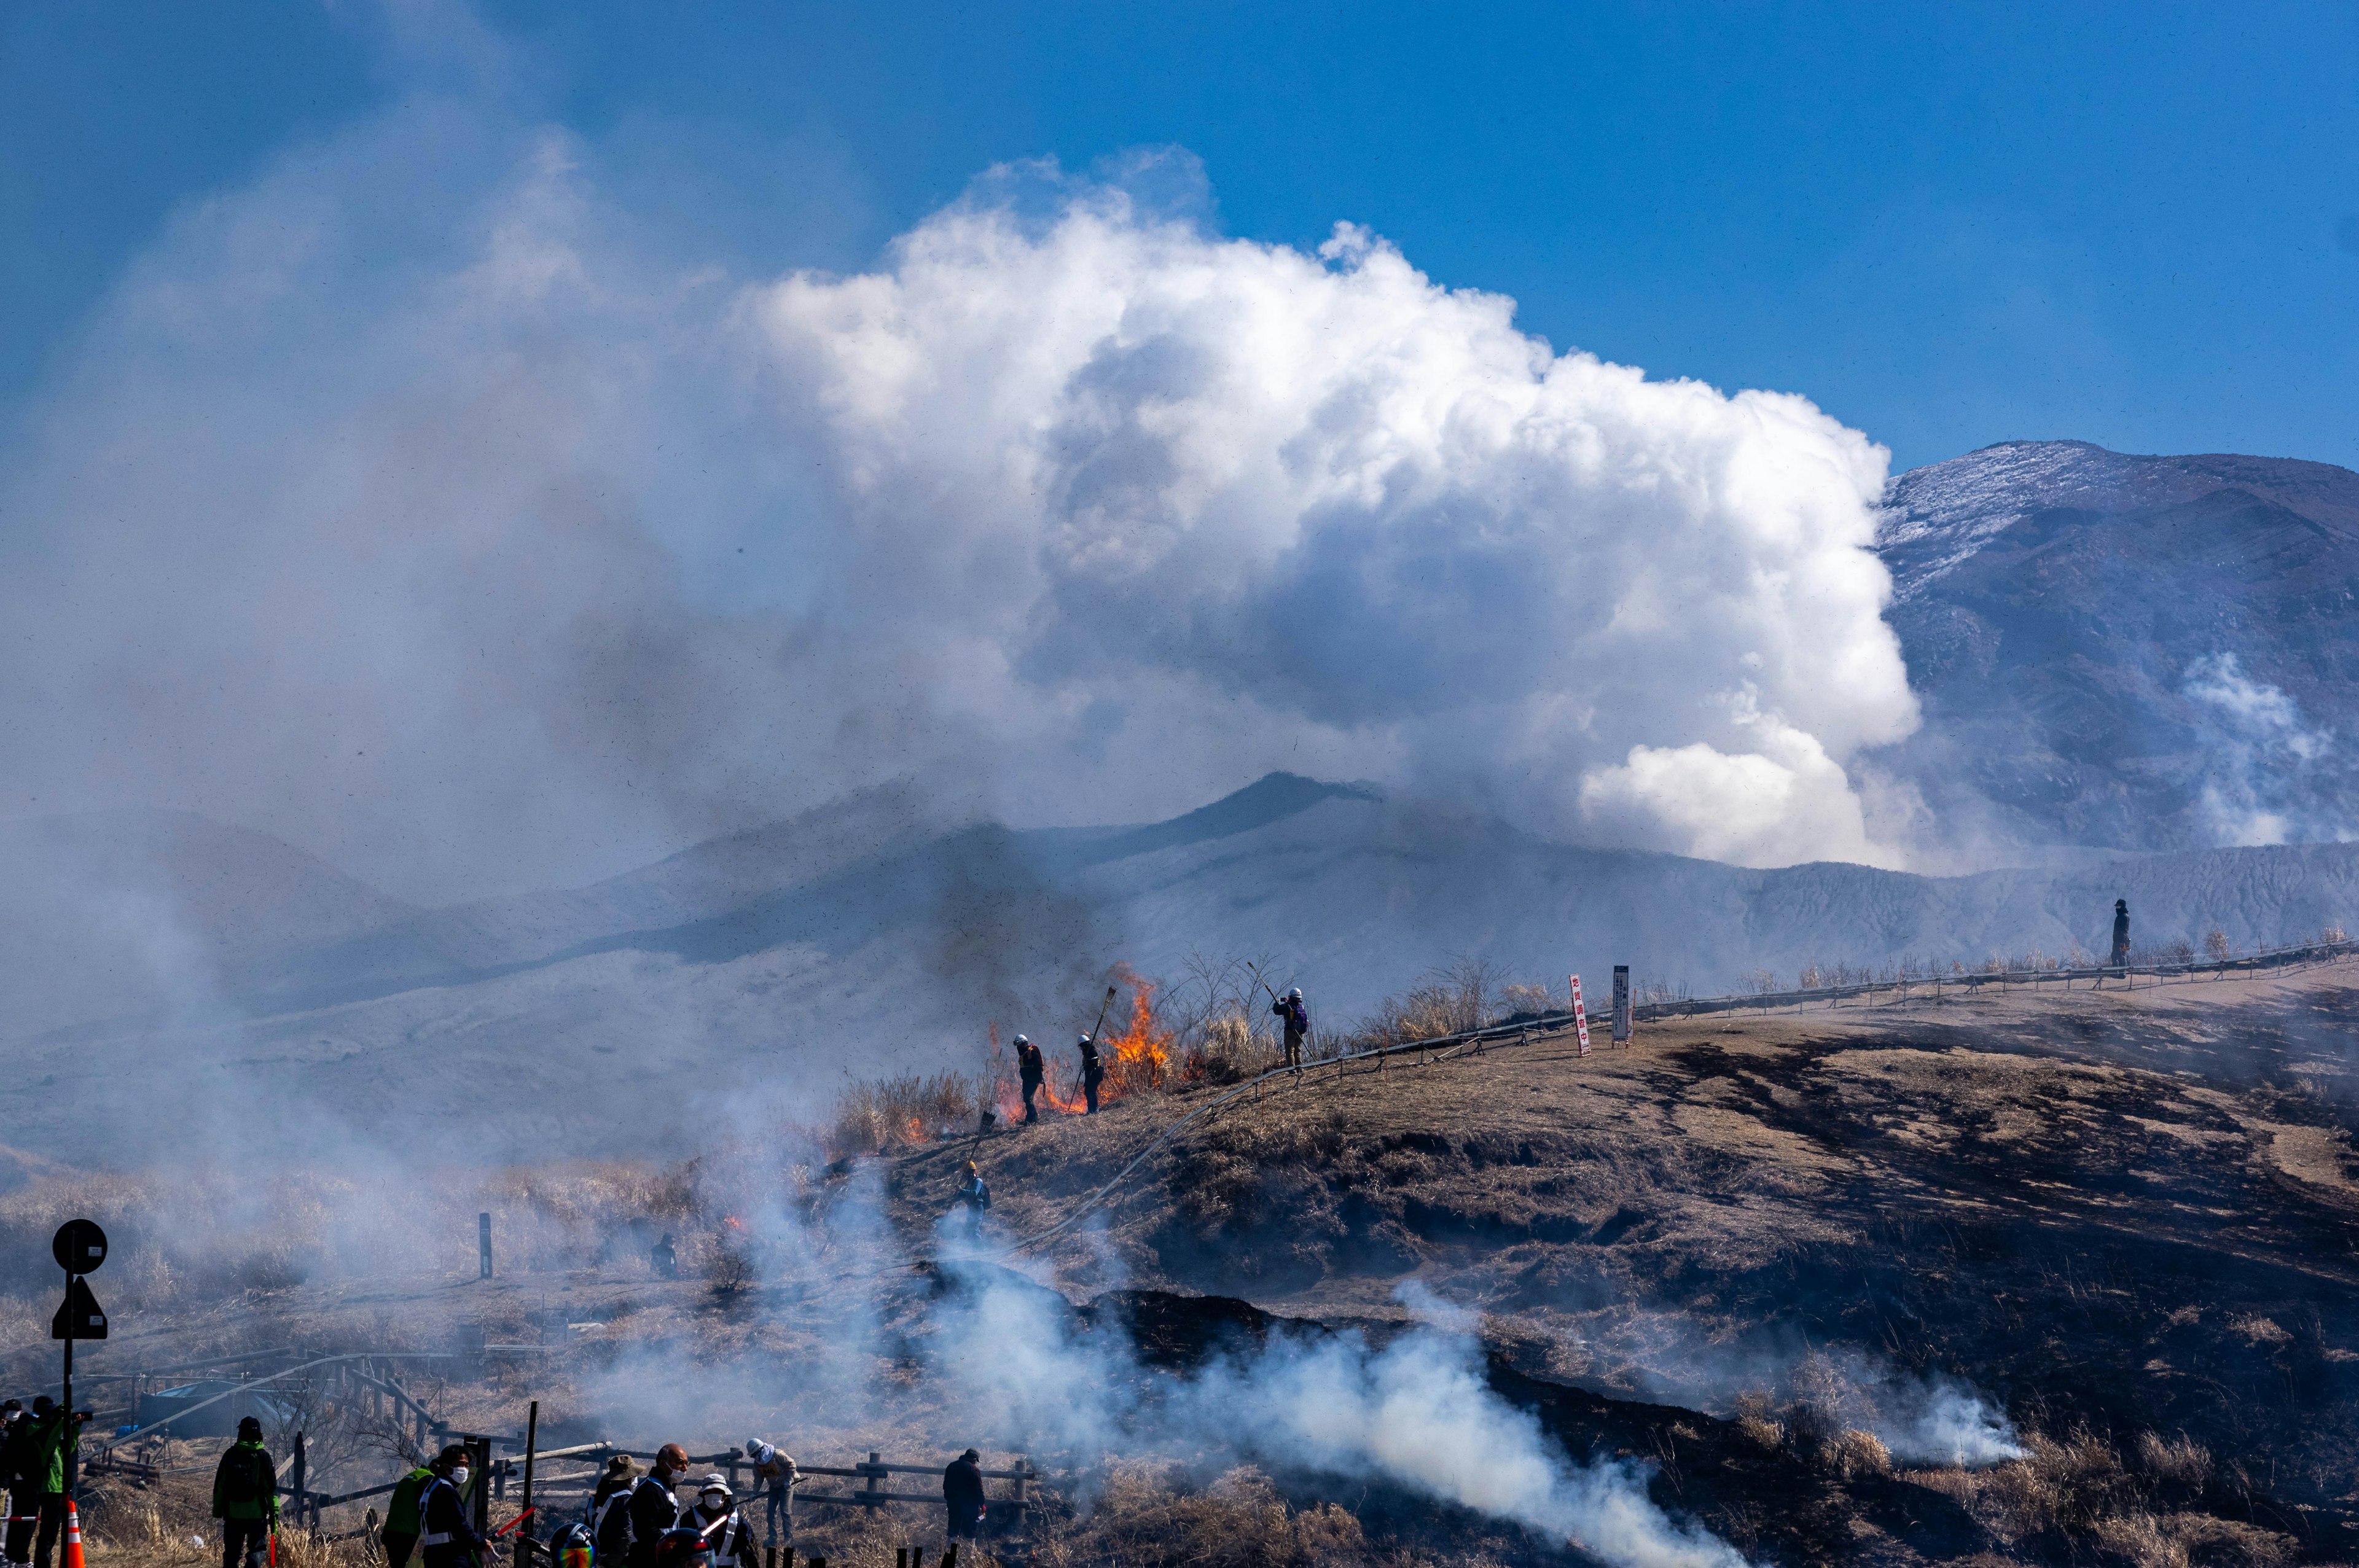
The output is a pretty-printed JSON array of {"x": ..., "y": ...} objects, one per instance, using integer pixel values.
[
  {"x": 776, "y": 1473},
  {"x": 1297, "y": 1024},
  {"x": 726, "y": 1534},
  {"x": 1031, "y": 1068}
]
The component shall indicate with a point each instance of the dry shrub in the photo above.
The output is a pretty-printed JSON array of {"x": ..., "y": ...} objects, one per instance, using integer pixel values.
[
  {"x": 1144, "y": 1520},
  {"x": 2069, "y": 1486},
  {"x": 901, "y": 1113},
  {"x": 1856, "y": 1453},
  {"x": 2185, "y": 1463},
  {"x": 2258, "y": 1330},
  {"x": 2142, "y": 1541},
  {"x": 1755, "y": 1422}
]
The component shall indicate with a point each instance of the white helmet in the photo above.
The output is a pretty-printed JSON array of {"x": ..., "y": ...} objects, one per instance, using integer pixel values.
[
  {"x": 1295, "y": 995},
  {"x": 1023, "y": 1040}
]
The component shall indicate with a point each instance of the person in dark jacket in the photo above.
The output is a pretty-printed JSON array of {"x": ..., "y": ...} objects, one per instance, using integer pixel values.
[
  {"x": 50, "y": 1435},
  {"x": 1297, "y": 1024},
  {"x": 622, "y": 1473},
  {"x": 2121, "y": 959},
  {"x": 974, "y": 1198},
  {"x": 963, "y": 1494},
  {"x": 15, "y": 1477},
  {"x": 446, "y": 1530},
  {"x": 664, "y": 1259},
  {"x": 632, "y": 1528},
  {"x": 1093, "y": 1072},
  {"x": 245, "y": 1498},
  {"x": 1031, "y": 1070}
]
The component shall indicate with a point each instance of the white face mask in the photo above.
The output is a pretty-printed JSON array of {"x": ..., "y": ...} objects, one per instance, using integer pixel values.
[
  {"x": 713, "y": 1503},
  {"x": 458, "y": 1474}
]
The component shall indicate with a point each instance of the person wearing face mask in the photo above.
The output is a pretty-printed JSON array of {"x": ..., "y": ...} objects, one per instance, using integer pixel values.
[
  {"x": 446, "y": 1536},
  {"x": 632, "y": 1528},
  {"x": 726, "y": 1533}
]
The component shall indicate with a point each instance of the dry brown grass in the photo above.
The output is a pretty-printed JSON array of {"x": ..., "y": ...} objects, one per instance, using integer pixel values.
[{"x": 1143, "y": 1519}]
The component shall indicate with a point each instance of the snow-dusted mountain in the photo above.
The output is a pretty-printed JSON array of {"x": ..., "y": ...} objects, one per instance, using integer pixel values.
[{"x": 2136, "y": 653}]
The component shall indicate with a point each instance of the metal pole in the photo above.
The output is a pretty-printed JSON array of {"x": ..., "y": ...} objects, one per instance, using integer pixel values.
[
  {"x": 66, "y": 1410},
  {"x": 524, "y": 1543}
]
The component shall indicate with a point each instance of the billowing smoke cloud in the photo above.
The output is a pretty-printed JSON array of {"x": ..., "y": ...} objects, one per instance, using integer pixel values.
[
  {"x": 427, "y": 504},
  {"x": 2264, "y": 783}
]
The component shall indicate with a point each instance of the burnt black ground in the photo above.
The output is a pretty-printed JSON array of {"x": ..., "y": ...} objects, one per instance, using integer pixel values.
[{"x": 2112, "y": 1213}]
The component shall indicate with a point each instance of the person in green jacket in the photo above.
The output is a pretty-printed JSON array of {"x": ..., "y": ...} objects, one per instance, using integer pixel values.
[
  {"x": 246, "y": 1499},
  {"x": 400, "y": 1533},
  {"x": 51, "y": 1433}
]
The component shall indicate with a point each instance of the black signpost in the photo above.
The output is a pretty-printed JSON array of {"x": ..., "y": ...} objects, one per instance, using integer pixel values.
[{"x": 80, "y": 1246}]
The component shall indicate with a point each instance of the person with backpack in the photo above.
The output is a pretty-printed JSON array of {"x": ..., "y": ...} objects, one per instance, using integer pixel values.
[
  {"x": 399, "y": 1536},
  {"x": 50, "y": 1435},
  {"x": 246, "y": 1499},
  {"x": 446, "y": 1535},
  {"x": 1297, "y": 1024},
  {"x": 1031, "y": 1070}
]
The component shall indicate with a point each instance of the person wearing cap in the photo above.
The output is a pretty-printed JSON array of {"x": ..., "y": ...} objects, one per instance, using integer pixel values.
[
  {"x": 1298, "y": 1023},
  {"x": 776, "y": 1473},
  {"x": 1093, "y": 1072},
  {"x": 963, "y": 1494},
  {"x": 446, "y": 1536},
  {"x": 622, "y": 1470},
  {"x": 726, "y": 1534},
  {"x": 246, "y": 1497},
  {"x": 634, "y": 1527},
  {"x": 50, "y": 1435}
]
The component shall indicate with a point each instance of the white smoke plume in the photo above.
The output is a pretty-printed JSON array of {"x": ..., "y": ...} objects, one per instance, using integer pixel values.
[
  {"x": 2263, "y": 759},
  {"x": 430, "y": 504}
]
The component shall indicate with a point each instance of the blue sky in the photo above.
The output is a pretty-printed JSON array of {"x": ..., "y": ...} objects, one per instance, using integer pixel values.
[{"x": 2137, "y": 225}]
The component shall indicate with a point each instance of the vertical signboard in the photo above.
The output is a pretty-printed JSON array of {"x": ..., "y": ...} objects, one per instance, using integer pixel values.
[
  {"x": 1580, "y": 1016},
  {"x": 1621, "y": 1004}
]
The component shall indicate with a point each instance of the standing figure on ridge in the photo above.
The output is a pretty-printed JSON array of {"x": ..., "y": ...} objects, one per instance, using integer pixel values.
[
  {"x": 1031, "y": 1068},
  {"x": 2120, "y": 961},
  {"x": 1297, "y": 1024},
  {"x": 1093, "y": 1073}
]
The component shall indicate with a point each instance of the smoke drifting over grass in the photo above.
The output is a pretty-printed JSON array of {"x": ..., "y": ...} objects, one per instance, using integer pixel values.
[{"x": 428, "y": 503}]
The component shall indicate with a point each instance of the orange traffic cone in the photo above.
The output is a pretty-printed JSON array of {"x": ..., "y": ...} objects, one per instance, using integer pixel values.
[{"x": 73, "y": 1535}]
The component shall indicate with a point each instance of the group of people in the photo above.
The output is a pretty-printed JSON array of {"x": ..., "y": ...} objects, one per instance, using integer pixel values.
[
  {"x": 1032, "y": 1067},
  {"x": 634, "y": 1519},
  {"x": 33, "y": 1445}
]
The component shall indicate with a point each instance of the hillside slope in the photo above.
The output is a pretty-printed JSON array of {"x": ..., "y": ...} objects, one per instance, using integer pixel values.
[
  {"x": 2139, "y": 652},
  {"x": 774, "y": 965}
]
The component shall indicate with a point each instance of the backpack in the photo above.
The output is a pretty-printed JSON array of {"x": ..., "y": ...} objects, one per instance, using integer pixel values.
[
  {"x": 401, "y": 1508},
  {"x": 241, "y": 1475}
]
